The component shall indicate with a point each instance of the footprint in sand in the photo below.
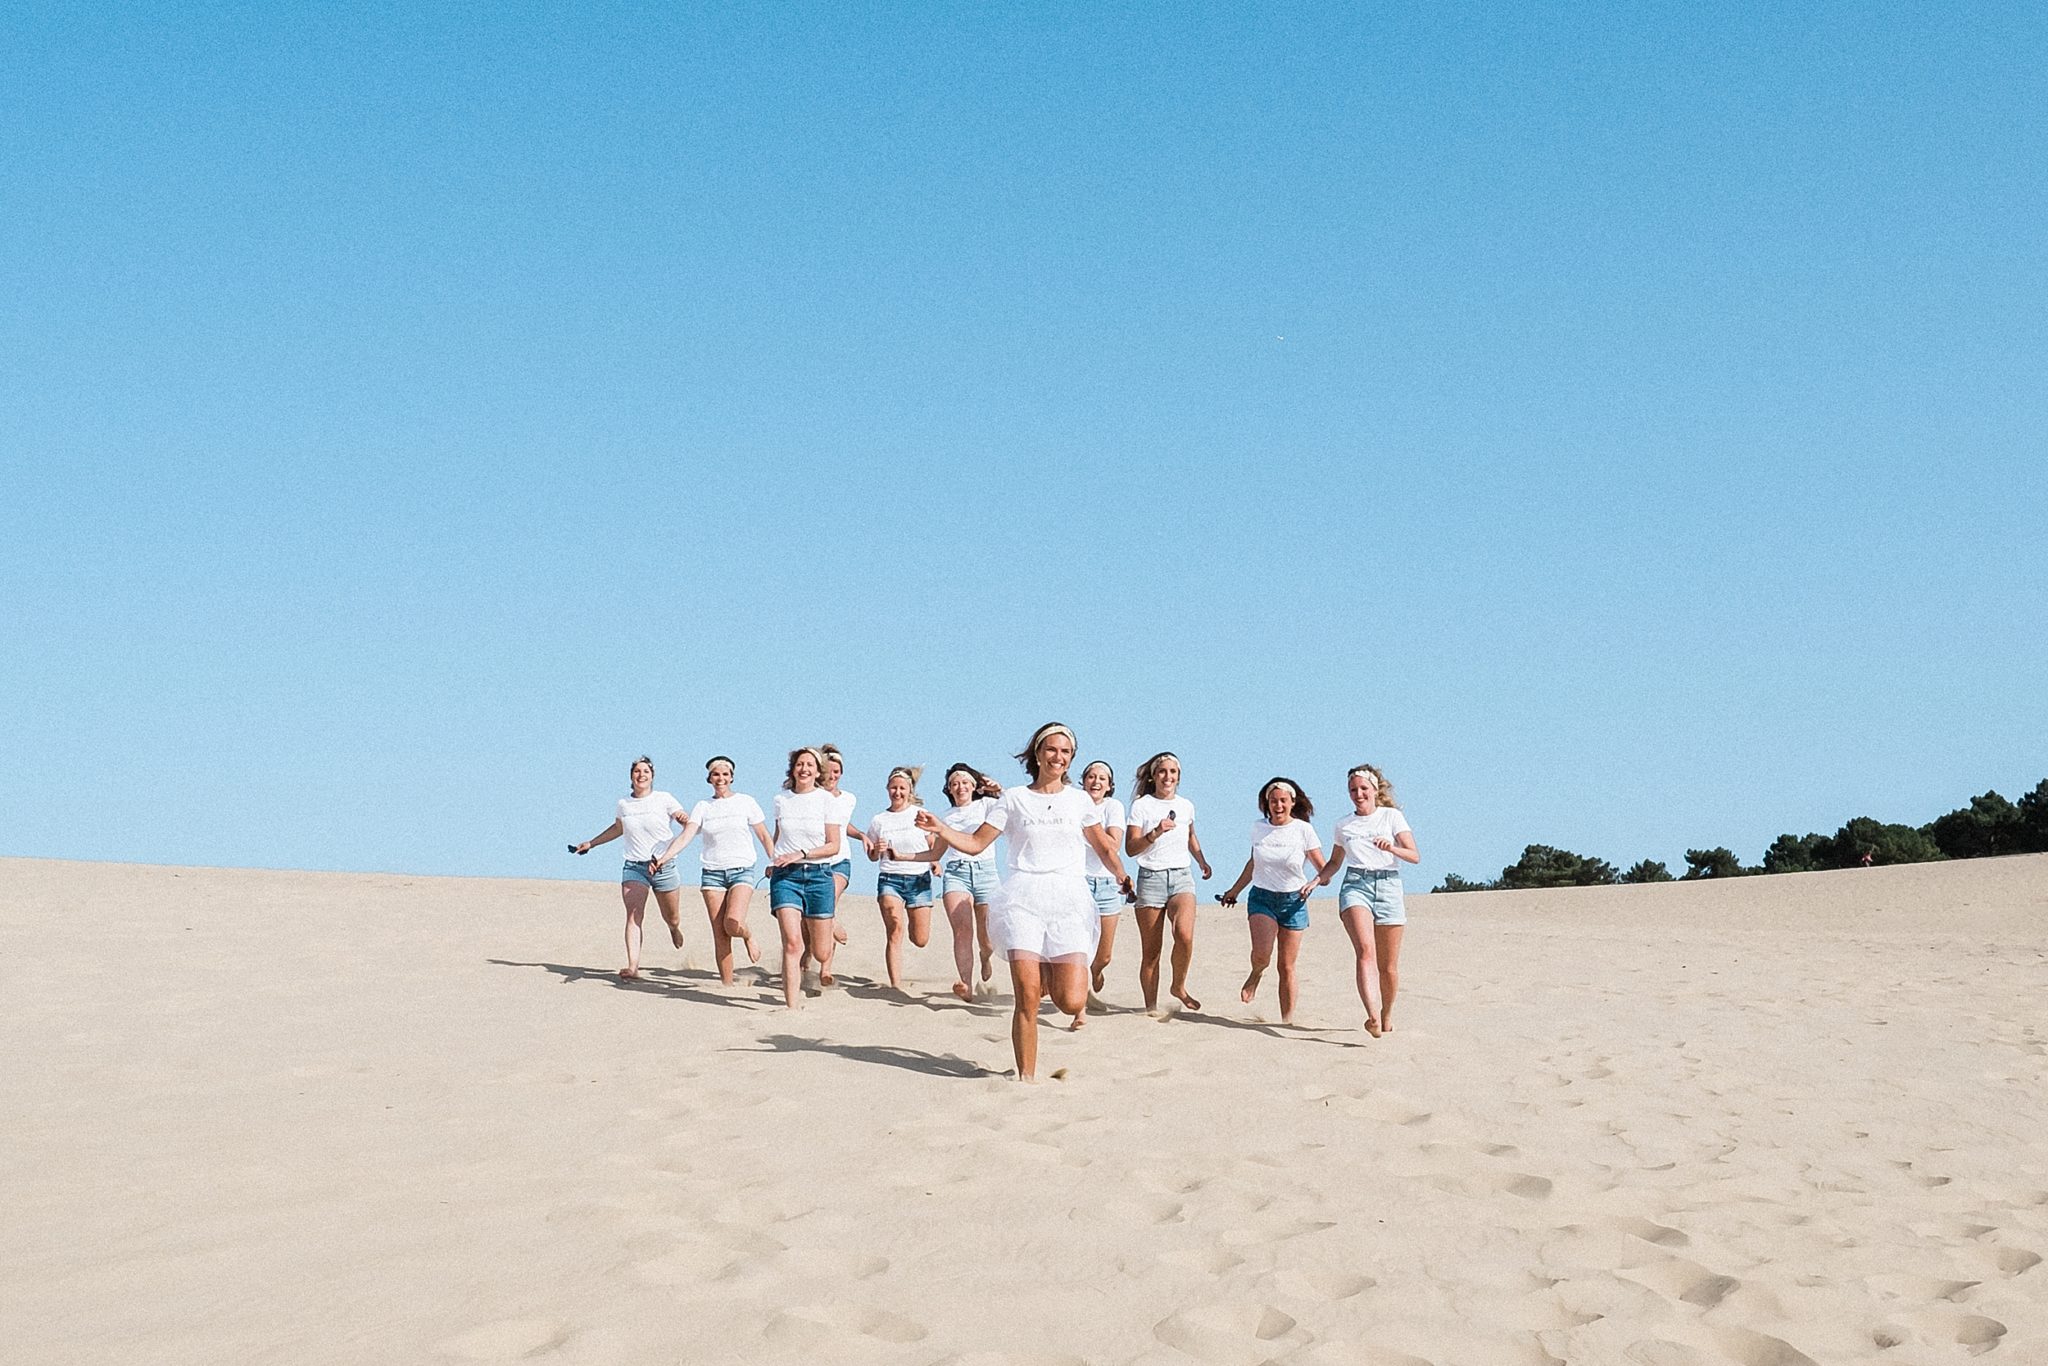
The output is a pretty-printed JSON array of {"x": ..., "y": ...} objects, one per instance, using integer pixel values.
[
  {"x": 1662, "y": 1352},
  {"x": 1651, "y": 1233},
  {"x": 1228, "y": 1333},
  {"x": 507, "y": 1340},
  {"x": 1678, "y": 1279},
  {"x": 1760, "y": 1349}
]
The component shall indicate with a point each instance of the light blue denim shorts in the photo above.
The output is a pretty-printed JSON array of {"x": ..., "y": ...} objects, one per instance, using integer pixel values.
[
  {"x": 1377, "y": 888},
  {"x": 727, "y": 878},
  {"x": 843, "y": 868},
  {"x": 1288, "y": 908},
  {"x": 1109, "y": 900},
  {"x": 912, "y": 889},
  {"x": 1156, "y": 885},
  {"x": 669, "y": 879},
  {"x": 975, "y": 876},
  {"x": 805, "y": 887}
]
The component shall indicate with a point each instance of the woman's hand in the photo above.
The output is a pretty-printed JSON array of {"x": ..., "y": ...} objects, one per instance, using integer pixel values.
[
  {"x": 1207, "y": 871},
  {"x": 1229, "y": 898},
  {"x": 1382, "y": 842},
  {"x": 927, "y": 821},
  {"x": 784, "y": 860}
]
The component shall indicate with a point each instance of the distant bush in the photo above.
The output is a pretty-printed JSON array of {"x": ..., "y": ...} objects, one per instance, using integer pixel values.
[
  {"x": 1648, "y": 870},
  {"x": 1453, "y": 883},
  {"x": 1885, "y": 844},
  {"x": 1542, "y": 866},
  {"x": 1794, "y": 854},
  {"x": 1701, "y": 863}
]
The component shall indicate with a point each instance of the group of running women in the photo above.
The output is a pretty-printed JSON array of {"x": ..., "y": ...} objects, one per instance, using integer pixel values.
[{"x": 1054, "y": 917}]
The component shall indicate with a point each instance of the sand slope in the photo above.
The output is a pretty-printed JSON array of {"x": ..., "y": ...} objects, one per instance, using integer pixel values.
[{"x": 269, "y": 1117}]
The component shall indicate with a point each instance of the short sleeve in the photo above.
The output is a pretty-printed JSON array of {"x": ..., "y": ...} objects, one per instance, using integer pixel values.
[
  {"x": 1113, "y": 814},
  {"x": 672, "y": 807},
  {"x": 754, "y": 810},
  {"x": 1401, "y": 826},
  {"x": 1309, "y": 838},
  {"x": 998, "y": 814},
  {"x": 1089, "y": 814},
  {"x": 1183, "y": 802},
  {"x": 699, "y": 812}
]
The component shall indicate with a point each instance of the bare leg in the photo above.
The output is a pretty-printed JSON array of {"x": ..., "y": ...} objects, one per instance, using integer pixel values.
[
  {"x": 988, "y": 951},
  {"x": 960, "y": 914},
  {"x": 1358, "y": 924},
  {"x": 721, "y": 942},
  {"x": 1290, "y": 950},
  {"x": 1387, "y": 939},
  {"x": 1026, "y": 979},
  {"x": 1180, "y": 909},
  {"x": 735, "y": 921},
  {"x": 671, "y": 904},
  {"x": 1101, "y": 966},
  {"x": 838, "y": 930},
  {"x": 791, "y": 921},
  {"x": 1067, "y": 984},
  {"x": 921, "y": 924},
  {"x": 1151, "y": 937},
  {"x": 824, "y": 939},
  {"x": 634, "y": 894},
  {"x": 893, "y": 924},
  {"x": 1265, "y": 930}
]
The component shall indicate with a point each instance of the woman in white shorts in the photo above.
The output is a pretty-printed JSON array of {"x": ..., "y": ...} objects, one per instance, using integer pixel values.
[
  {"x": 1376, "y": 839},
  {"x": 1043, "y": 919},
  {"x": 1161, "y": 836},
  {"x": 966, "y": 883},
  {"x": 730, "y": 822},
  {"x": 1284, "y": 844},
  {"x": 903, "y": 889},
  {"x": 1098, "y": 780},
  {"x": 642, "y": 820}
]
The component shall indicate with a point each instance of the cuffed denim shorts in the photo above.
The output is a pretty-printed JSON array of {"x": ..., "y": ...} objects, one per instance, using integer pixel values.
[
  {"x": 843, "y": 868},
  {"x": 1109, "y": 898},
  {"x": 1156, "y": 885},
  {"x": 727, "y": 878},
  {"x": 912, "y": 889},
  {"x": 974, "y": 876},
  {"x": 1286, "y": 907},
  {"x": 1377, "y": 888},
  {"x": 805, "y": 887},
  {"x": 669, "y": 879}
]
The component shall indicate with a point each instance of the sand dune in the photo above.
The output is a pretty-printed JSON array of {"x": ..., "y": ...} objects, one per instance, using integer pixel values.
[{"x": 305, "y": 1118}]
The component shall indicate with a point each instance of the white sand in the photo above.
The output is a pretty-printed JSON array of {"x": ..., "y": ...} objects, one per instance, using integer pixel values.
[{"x": 268, "y": 1117}]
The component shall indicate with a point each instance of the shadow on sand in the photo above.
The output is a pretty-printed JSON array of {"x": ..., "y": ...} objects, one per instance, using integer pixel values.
[{"x": 884, "y": 1055}]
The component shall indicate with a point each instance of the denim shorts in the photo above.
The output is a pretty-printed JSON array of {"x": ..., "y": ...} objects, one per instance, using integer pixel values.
[
  {"x": 975, "y": 876},
  {"x": 727, "y": 878},
  {"x": 805, "y": 887},
  {"x": 843, "y": 868},
  {"x": 1378, "y": 888},
  {"x": 1156, "y": 885},
  {"x": 1286, "y": 907},
  {"x": 1109, "y": 898},
  {"x": 669, "y": 879},
  {"x": 912, "y": 889}
]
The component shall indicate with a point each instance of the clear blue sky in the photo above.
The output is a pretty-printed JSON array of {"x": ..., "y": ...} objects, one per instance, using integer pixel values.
[{"x": 1625, "y": 425}]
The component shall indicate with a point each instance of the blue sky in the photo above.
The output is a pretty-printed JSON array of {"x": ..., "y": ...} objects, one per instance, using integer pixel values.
[{"x": 1625, "y": 426}]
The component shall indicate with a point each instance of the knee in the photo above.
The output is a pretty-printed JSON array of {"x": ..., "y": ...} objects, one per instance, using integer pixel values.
[{"x": 920, "y": 937}]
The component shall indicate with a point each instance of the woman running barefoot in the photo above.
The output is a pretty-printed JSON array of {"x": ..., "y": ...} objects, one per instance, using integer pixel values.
[
  {"x": 1281, "y": 843},
  {"x": 967, "y": 882},
  {"x": 727, "y": 821},
  {"x": 799, "y": 875},
  {"x": 1161, "y": 836},
  {"x": 842, "y": 811},
  {"x": 904, "y": 886},
  {"x": 1043, "y": 918},
  {"x": 1373, "y": 837},
  {"x": 643, "y": 820},
  {"x": 1098, "y": 780}
]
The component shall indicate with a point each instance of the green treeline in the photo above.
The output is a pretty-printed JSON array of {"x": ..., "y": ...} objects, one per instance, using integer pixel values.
[{"x": 1988, "y": 825}]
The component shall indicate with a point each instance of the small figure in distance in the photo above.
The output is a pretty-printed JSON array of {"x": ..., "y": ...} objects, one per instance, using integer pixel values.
[
  {"x": 1105, "y": 879},
  {"x": 903, "y": 887},
  {"x": 1376, "y": 839},
  {"x": 807, "y": 842},
  {"x": 1283, "y": 842},
  {"x": 643, "y": 820},
  {"x": 966, "y": 883},
  {"x": 727, "y": 876}
]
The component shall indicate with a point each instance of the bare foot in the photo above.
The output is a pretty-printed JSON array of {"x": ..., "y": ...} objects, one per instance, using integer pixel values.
[
  {"x": 629, "y": 972},
  {"x": 963, "y": 991},
  {"x": 988, "y": 964},
  {"x": 826, "y": 979},
  {"x": 1079, "y": 1020},
  {"x": 839, "y": 933},
  {"x": 1099, "y": 972},
  {"x": 1190, "y": 1002},
  {"x": 1386, "y": 1026},
  {"x": 1287, "y": 1021},
  {"x": 1251, "y": 986},
  {"x": 753, "y": 950},
  {"x": 1372, "y": 1027}
]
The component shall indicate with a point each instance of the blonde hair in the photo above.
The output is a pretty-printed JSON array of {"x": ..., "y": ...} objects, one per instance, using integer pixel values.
[
  {"x": 1384, "y": 790},
  {"x": 789, "y": 774},
  {"x": 912, "y": 772}
]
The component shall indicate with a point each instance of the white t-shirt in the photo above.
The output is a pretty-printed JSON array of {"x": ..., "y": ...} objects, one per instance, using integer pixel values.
[
  {"x": 1044, "y": 829},
  {"x": 1110, "y": 815},
  {"x": 1355, "y": 834},
  {"x": 643, "y": 823},
  {"x": 968, "y": 819},
  {"x": 900, "y": 829},
  {"x": 1171, "y": 851},
  {"x": 727, "y": 826},
  {"x": 842, "y": 816},
  {"x": 1278, "y": 854},
  {"x": 800, "y": 821}
]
